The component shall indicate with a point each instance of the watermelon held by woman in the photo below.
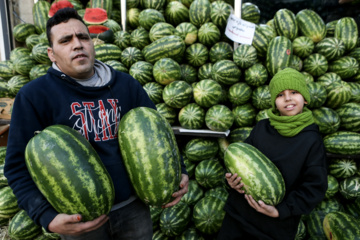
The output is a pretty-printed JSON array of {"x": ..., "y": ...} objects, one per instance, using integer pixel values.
[
  {"x": 95, "y": 16},
  {"x": 69, "y": 173},
  {"x": 150, "y": 155},
  {"x": 57, "y": 5}
]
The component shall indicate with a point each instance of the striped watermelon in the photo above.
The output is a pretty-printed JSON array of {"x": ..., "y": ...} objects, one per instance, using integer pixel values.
[
  {"x": 296, "y": 63},
  {"x": 208, "y": 214},
  {"x": 122, "y": 39},
  {"x": 209, "y": 34},
  {"x": 192, "y": 116},
  {"x": 190, "y": 234},
  {"x": 17, "y": 82},
  {"x": 188, "y": 73},
  {"x": 188, "y": 32},
  {"x": 107, "y": 51},
  {"x": 328, "y": 78},
  {"x": 113, "y": 25},
  {"x": 346, "y": 29},
  {"x": 327, "y": 119},
  {"x": 244, "y": 115},
  {"x": 219, "y": 118},
  {"x": 204, "y": 71},
  {"x": 308, "y": 77},
  {"x": 314, "y": 224},
  {"x": 6, "y": 69},
  {"x": 343, "y": 142},
  {"x": 338, "y": 93},
  {"x": 250, "y": 12},
  {"x": 40, "y": 12},
  {"x": 349, "y": 187},
  {"x": 32, "y": 40},
  {"x": 52, "y": 147},
  {"x": 239, "y": 93},
  {"x": 148, "y": 17},
  {"x": 278, "y": 54},
  {"x": 225, "y": 72},
  {"x": 200, "y": 12},
  {"x": 218, "y": 192},
  {"x": 142, "y": 71},
  {"x": 342, "y": 168},
  {"x": 261, "y": 98},
  {"x": 285, "y": 23},
  {"x": 154, "y": 186},
  {"x": 318, "y": 94},
  {"x": 330, "y": 28},
  {"x": 220, "y": 51},
  {"x": 262, "y": 37},
  {"x": 177, "y": 94},
  {"x": 18, "y": 52},
  {"x": 105, "y": 4},
  {"x": 355, "y": 91},
  {"x": 245, "y": 56},
  {"x": 161, "y": 29},
  {"x": 39, "y": 53},
  {"x": 339, "y": 225},
  {"x": 239, "y": 134},
  {"x": 24, "y": 65},
  {"x": 140, "y": 38},
  {"x": 256, "y": 75},
  {"x": 303, "y": 46},
  {"x": 132, "y": 17},
  {"x": 316, "y": 64},
  {"x": 8, "y": 203},
  {"x": 332, "y": 204},
  {"x": 353, "y": 208},
  {"x": 220, "y": 12},
  {"x": 194, "y": 194},
  {"x": 176, "y": 13},
  {"x": 349, "y": 116},
  {"x": 311, "y": 25},
  {"x": 166, "y": 70},
  {"x": 131, "y": 55},
  {"x": 22, "y": 227},
  {"x": 22, "y": 30},
  {"x": 38, "y": 70},
  {"x": 198, "y": 149},
  {"x": 333, "y": 187},
  {"x": 169, "y": 46},
  {"x": 345, "y": 67},
  {"x": 331, "y": 48},
  {"x": 174, "y": 220},
  {"x": 169, "y": 113},
  {"x": 207, "y": 92},
  {"x": 262, "y": 179},
  {"x": 117, "y": 65},
  {"x": 197, "y": 54},
  {"x": 210, "y": 173}
]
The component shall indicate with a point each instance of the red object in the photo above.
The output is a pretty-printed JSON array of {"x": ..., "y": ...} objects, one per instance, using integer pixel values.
[
  {"x": 95, "y": 15},
  {"x": 57, "y": 5},
  {"x": 96, "y": 29}
]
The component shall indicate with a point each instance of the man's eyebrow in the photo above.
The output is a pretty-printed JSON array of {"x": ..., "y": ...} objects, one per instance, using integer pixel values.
[{"x": 70, "y": 36}]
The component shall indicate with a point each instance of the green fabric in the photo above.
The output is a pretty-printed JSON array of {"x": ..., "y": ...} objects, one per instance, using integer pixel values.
[
  {"x": 289, "y": 126},
  {"x": 288, "y": 79}
]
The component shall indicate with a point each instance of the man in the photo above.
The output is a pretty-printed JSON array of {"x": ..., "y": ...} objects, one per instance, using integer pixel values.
[{"x": 89, "y": 96}]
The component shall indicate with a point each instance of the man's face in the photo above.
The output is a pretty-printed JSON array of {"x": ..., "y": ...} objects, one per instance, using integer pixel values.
[{"x": 72, "y": 50}]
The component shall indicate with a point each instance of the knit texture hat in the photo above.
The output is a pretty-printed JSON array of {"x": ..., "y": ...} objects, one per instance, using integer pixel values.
[{"x": 288, "y": 78}]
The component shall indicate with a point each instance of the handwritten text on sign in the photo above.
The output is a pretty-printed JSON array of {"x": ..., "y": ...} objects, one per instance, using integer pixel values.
[{"x": 239, "y": 30}]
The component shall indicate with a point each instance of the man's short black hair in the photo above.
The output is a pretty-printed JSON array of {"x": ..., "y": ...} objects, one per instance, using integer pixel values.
[{"x": 62, "y": 15}]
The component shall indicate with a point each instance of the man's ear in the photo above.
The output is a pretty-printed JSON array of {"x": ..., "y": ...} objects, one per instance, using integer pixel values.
[
  {"x": 51, "y": 54},
  {"x": 305, "y": 102}
]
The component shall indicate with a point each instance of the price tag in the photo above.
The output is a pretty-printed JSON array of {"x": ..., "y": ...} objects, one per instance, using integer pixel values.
[{"x": 239, "y": 30}]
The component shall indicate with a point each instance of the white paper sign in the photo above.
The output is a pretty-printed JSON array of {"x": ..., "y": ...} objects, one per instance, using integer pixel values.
[{"x": 239, "y": 30}]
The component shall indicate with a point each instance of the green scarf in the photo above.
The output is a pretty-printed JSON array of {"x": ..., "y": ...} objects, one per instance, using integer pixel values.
[{"x": 289, "y": 126}]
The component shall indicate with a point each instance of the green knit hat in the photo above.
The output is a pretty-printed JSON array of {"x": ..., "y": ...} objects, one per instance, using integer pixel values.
[{"x": 288, "y": 78}]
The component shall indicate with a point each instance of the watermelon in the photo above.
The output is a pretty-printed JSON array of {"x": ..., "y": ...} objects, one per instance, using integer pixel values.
[
  {"x": 65, "y": 141},
  {"x": 113, "y": 25},
  {"x": 311, "y": 25},
  {"x": 177, "y": 94},
  {"x": 338, "y": 93},
  {"x": 142, "y": 71},
  {"x": 188, "y": 32},
  {"x": 17, "y": 82},
  {"x": 308, "y": 77},
  {"x": 166, "y": 70},
  {"x": 250, "y": 12},
  {"x": 318, "y": 94},
  {"x": 107, "y": 51},
  {"x": 117, "y": 65},
  {"x": 296, "y": 63},
  {"x": 131, "y": 55},
  {"x": 339, "y": 225},
  {"x": 278, "y": 54},
  {"x": 197, "y": 54},
  {"x": 225, "y": 72},
  {"x": 331, "y": 48},
  {"x": 148, "y": 17},
  {"x": 207, "y": 92},
  {"x": 122, "y": 39},
  {"x": 314, "y": 224},
  {"x": 239, "y": 134},
  {"x": 6, "y": 69},
  {"x": 95, "y": 15},
  {"x": 245, "y": 56},
  {"x": 346, "y": 30},
  {"x": 355, "y": 91},
  {"x": 332, "y": 204},
  {"x": 194, "y": 194},
  {"x": 353, "y": 208},
  {"x": 239, "y": 93},
  {"x": 198, "y": 149},
  {"x": 161, "y": 29},
  {"x": 154, "y": 91},
  {"x": 285, "y": 23},
  {"x": 190, "y": 234},
  {"x": 176, "y": 13},
  {"x": 191, "y": 116},
  {"x": 190, "y": 166},
  {"x": 256, "y": 75},
  {"x": 262, "y": 179},
  {"x": 346, "y": 67},
  {"x": 22, "y": 227},
  {"x": 343, "y": 142},
  {"x": 210, "y": 173},
  {"x": 107, "y": 5},
  {"x": 327, "y": 119},
  {"x": 209, "y": 34},
  {"x": 8, "y": 203},
  {"x": 219, "y": 118},
  {"x": 301, "y": 231},
  {"x": 220, "y": 51},
  {"x": 22, "y": 30},
  {"x": 220, "y": 12},
  {"x": 316, "y": 64},
  {"x": 169, "y": 113},
  {"x": 174, "y": 220},
  {"x": 39, "y": 53},
  {"x": 244, "y": 115},
  {"x": 342, "y": 168},
  {"x": 262, "y": 37},
  {"x": 188, "y": 73},
  {"x": 200, "y": 12},
  {"x": 140, "y": 38},
  {"x": 333, "y": 187},
  {"x": 328, "y": 78},
  {"x": 218, "y": 192},
  {"x": 349, "y": 116},
  {"x": 32, "y": 40},
  {"x": 57, "y": 5},
  {"x": 23, "y": 65},
  {"x": 204, "y": 71},
  {"x": 132, "y": 17},
  {"x": 154, "y": 4},
  {"x": 18, "y": 52},
  {"x": 208, "y": 214},
  {"x": 40, "y": 12},
  {"x": 303, "y": 46},
  {"x": 349, "y": 187},
  {"x": 261, "y": 98},
  {"x": 154, "y": 186}
]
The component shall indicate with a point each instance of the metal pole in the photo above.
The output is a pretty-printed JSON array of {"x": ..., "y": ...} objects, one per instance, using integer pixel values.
[
  {"x": 123, "y": 14},
  {"x": 237, "y": 13},
  {"x": 6, "y": 43}
]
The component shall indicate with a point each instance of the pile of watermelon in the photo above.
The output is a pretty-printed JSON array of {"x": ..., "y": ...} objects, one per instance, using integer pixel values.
[{"x": 179, "y": 53}]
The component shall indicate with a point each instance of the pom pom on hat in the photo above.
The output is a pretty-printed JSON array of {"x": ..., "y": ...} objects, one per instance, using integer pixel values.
[{"x": 288, "y": 78}]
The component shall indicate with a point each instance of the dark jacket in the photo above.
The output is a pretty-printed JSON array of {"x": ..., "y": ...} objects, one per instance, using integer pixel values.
[{"x": 302, "y": 161}]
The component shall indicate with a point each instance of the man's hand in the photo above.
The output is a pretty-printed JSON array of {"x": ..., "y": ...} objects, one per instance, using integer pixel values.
[
  {"x": 235, "y": 182},
  {"x": 261, "y": 207},
  {"x": 70, "y": 224},
  {"x": 183, "y": 189}
]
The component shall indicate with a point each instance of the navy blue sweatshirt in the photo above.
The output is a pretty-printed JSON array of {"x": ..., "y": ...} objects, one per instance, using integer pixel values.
[
  {"x": 302, "y": 161},
  {"x": 58, "y": 99}
]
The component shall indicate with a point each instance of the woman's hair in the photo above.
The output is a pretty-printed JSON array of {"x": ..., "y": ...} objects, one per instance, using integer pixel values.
[{"x": 62, "y": 15}]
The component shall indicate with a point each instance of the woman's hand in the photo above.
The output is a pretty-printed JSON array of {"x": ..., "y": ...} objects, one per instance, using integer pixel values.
[
  {"x": 235, "y": 182},
  {"x": 261, "y": 207},
  {"x": 183, "y": 189},
  {"x": 71, "y": 224}
]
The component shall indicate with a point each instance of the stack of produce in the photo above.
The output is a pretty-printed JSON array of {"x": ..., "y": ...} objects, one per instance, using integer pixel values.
[{"x": 178, "y": 51}]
